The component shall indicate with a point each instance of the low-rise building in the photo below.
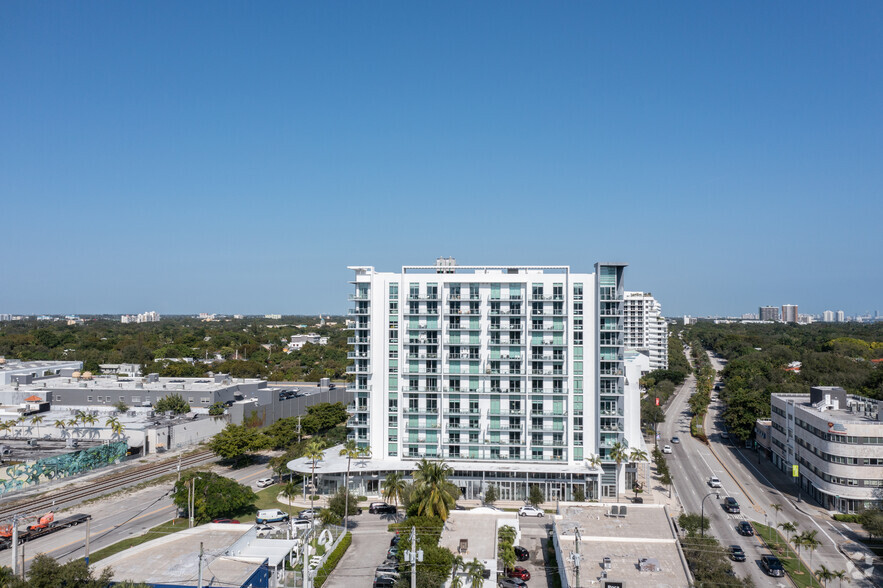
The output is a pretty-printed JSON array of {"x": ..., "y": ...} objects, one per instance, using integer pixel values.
[
  {"x": 835, "y": 440},
  {"x": 11, "y": 368},
  {"x": 473, "y": 534},
  {"x": 618, "y": 545},
  {"x": 298, "y": 341}
]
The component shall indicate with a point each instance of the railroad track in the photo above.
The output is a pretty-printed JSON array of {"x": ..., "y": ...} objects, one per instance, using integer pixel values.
[{"x": 67, "y": 497}]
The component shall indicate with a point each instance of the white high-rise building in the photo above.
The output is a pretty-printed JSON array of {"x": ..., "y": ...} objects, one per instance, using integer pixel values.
[
  {"x": 841, "y": 316},
  {"x": 789, "y": 313},
  {"x": 645, "y": 328},
  {"x": 514, "y": 375},
  {"x": 828, "y": 316}
]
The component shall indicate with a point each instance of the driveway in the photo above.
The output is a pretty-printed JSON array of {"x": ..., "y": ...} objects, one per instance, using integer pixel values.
[{"x": 367, "y": 551}]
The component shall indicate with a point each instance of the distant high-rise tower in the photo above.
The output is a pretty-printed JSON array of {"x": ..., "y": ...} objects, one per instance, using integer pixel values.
[
  {"x": 841, "y": 316},
  {"x": 828, "y": 316},
  {"x": 789, "y": 313},
  {"x": 645, "y": 328},
  {"x": 768, "y": 313}
]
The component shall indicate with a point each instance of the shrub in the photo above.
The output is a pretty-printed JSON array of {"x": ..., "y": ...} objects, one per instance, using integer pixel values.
[
  {"x": 848, "y": 518},
  {"x": 332, "y": 560},
  {"x": 361, "y": 498}
]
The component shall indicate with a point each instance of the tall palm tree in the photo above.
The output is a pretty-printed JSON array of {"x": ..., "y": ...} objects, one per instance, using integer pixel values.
[
  {"x": 289, "y": 491},
  {"x": 35, "y": 421},
  {"x": 115, "y": 425},
  {"x": 824, "y": 574},
  {"x": 789, "y": 528},
  {"x": 315, "y": 451},
  {"x": 456, "y": 580},
  {"x": 619, "y": 454},
  {"x": 637, "y": 456},
  {"x": 776, "y": 507},
  {"x": 475, "y": 573},
  {"x": 351, "y": 450},
  {"x": 61, "y": 424},
  {"x": 841, "y": 575},
  {"x": 6, "y": 426},
  {"x": 811, "y": 542},
  {"x": 436, "y": 495},
  {"x": 394, "y": 487}
]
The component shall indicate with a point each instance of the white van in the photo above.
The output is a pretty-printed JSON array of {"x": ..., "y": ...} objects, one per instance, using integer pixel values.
[{"x": 273, "y": 515}]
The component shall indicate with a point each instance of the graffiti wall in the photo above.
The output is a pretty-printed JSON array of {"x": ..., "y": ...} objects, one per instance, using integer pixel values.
[{"x": 61, "y": 466}]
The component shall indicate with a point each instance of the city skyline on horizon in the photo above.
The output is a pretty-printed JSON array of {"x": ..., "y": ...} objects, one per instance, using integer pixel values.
[{"x": 190, "y": 158}]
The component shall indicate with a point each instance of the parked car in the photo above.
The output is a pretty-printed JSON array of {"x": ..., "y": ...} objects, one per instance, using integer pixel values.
[
  {"x": 228, "y": 521},
  {"x": 308, "y": 513},
  {"x": 736, "y": 553},
  {"x": 273, "y": 515},
  {"x": 381, "y": 508},
  {"x": 512, "y": 583},
  {"x": 518, "y": 572},
  {"x": 675, "y": 440},
  {"x": 264, "y": 482},
  {"x": 393, "y": 552},
  {"x": 521, "y": 554},
  {"x": 730, "y": 505},
  {"x": 299, "y": 524},
  {"x": 263, "y": 531},
  {"x": 530, "y": 511},
  {"x": 714, "y": 482},
  {"x": 666, "y": 449},
  {"x": 772, "y": 566},
  {"x": 384, "y": 582},
  {"x": 745, "y": 528},
  {"x": 387, "y": 570},
  {"x": 395, "y": 540}
]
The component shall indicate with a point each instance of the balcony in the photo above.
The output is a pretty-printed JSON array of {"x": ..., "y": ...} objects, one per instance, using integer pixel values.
[
  {"x": 354, "y": 408},
  {"x": 358, "y": 369},
  {"x": 358, "y": 340},
  {"x": 510, "y": 327},
  {"x": 462, "y": 312},
  {"x": 419, "y": 410},
  {"x": 515, "y": 342},
  {"x": 426, "y": 312},
  {"x": 424, "y": 297},
  {"x": 354, "y": 387},
  {"x": 610, "y": 372},
  {"x": 506, "y": 427},
  {"x": 420, "y": 388},
  {"x": 552, "y": 328},
  {"x": 459, "y": 411},
  {"x": 560, "y": 413},
  {"x": 464, "y": 356},
  {"x": 360, "y": 296},
  {"x": 506, "y": 412},
  {"x": 425, "y": 427},
  {"x": 561, "y": 443},
  {"x": 358, "y": 312},
  {"x": 509, "y": 372},
  {"x": 423, "y": 356},
  {"x": 420, "y": 370},
  {"x": 546, "y": 358},
  {"x": 357, "y": 355},
  {"x": 422, "y": 341}
]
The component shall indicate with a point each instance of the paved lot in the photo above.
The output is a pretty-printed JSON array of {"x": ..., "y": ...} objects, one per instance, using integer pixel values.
[
  {"x": 367, "y": 551},
  {"x": 534, "y": 535}
]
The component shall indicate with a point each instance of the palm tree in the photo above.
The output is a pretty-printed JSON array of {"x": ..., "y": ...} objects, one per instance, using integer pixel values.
[
  {"x": 350, "y": 449},
  {"x": 36, "y": 420},
  {"x": 315, "y": 451},
  {"x": 841, "y": 575},
  {"x": 475, "y": 573},
  {"x": 456, "y": 580},
  {"x": 394, "y": 487},
  {"x": 635, "y": 456},
  {"x": 436, "y": 495},
  {"x": 6, "y": 426},
  {"x": 789, "y": 528},
  {"x": 115, "y": 425},
  {"x": 776, "y": 507},
  {"x": 811, "y": 542},
  {"x": 61, "y": 424},
  {"x": 289, "y": 491},
  {"x": 619, "y": 454},
  {"x": 824, "y": 574}
]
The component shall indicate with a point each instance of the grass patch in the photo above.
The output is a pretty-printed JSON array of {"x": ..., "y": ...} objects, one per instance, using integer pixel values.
[
  {"x": 154, "y": 533},
  {"x": 794, "y": 567}
]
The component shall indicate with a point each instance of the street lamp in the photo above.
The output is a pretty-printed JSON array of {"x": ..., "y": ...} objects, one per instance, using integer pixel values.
[{"x": 702, "y": 516}]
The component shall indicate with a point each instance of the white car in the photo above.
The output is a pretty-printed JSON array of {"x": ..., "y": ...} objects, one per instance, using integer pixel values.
[
  {"x": 264, "y": 531},
  {"x": 300, "y": 524},
  {"x": 530, "y": 511},
  {"x": 264, "y": 482},
  {"x": 714, "y": 482},
  {"x": 666, "y": 449}
]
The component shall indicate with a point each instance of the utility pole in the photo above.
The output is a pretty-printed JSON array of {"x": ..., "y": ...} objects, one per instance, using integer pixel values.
[
  {"x": 88, "y": 529},
  {"x": 306, "y": 545},
  {"x": 22, "y": 561},
  {"x": 179, "y": 468},
  {"x": 14, "y": 545},
  {"x": 199, "y": 580},
  {"x": 576, "y": 558},
  {"x": 413, "y": 557}
]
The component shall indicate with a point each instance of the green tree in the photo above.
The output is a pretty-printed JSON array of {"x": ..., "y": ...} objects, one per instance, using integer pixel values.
[
  {"x": 810, "y": 541},
  {"x": 456, "y": 580},
  {"x": 475, "y": 573},
  {"x": 619, "y": 454},
  {"x": 824, "y": 574},
  {"x": 342, "y": 502},
  {"x": 290, "y": 492},
  {"x": 235, "y": 442},
  {"x": 490, "y": 495},
  {"x": 315, "y": 452},
  {"x": 121, "y": 406},
  {"x": 217, "y": 409},
  {"x": 789, "y": 528},
  {"x": 172, "y": 402},
  {"x": 394, "y": 487},
  {"x": 579, "y": 495},
  {"x": 872, "y": 521},
  {"x": 535, "y": 496},
  {"x": 45, "y": 572},
  {"x": 505, "y": 546},
  {"x": 214, "y": 496},
  {"x": 435, "y": 494},
  {"x": 778, "y": 508},
  {"x": 351, "y": 450},
  {"x": 692, "y": 523}
]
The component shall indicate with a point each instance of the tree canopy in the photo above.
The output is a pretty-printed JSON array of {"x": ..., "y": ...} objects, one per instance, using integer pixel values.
[{"x": 215, "y": 496}]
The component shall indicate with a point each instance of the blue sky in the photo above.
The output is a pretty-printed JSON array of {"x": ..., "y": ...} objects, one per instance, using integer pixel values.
[{"x": 236, "y": 157}]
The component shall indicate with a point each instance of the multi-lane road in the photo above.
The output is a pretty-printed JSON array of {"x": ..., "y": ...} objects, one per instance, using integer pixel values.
[{"x": 693, "y": 462}]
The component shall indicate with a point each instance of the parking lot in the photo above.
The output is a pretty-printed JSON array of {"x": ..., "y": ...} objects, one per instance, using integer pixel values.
[{"x": 534, "y": 536}]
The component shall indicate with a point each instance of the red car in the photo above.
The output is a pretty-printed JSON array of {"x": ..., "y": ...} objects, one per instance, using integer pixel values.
[
  {"x": 233, "y": 521},
  {"x": 519, "y": 572}
]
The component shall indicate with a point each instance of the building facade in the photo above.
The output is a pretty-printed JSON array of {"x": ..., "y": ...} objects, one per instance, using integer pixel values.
[
  {"x": 836, "y": 441},
  {"x": 789, "y": 313},
  {"x": 828, "y": 316},
  {"x": 768, "y": 313},
  {"x": 508, "y": 373},
  {"x": 645, "y": 328}
]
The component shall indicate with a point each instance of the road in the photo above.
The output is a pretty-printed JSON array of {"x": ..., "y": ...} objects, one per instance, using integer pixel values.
[
  {"x": 761, "y": 486},
  {"x": 117, "y": 518}
]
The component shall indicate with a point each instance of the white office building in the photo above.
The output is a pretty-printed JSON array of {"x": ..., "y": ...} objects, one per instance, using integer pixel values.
[
  {"x": 514, "y": 375},
  {"x": 645, "y": 328}
]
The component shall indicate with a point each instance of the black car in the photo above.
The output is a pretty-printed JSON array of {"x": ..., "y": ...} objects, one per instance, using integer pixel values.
[
  {"x": 745, "y": 528},
  {"x": 772, "y": 566},
  {"x": 381, "y": 508},
  {"x": 730, "y": 505},
  {"x": 736, "y": 553},
  {"x": 394, "y": 541},
  {"x": 521, "y": 554},
  {"x": 384, "y": 582}
]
